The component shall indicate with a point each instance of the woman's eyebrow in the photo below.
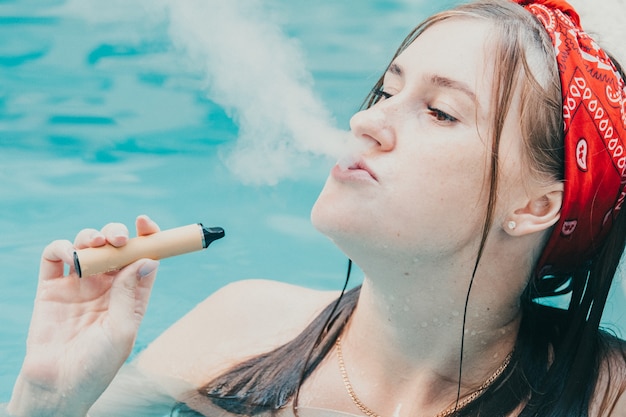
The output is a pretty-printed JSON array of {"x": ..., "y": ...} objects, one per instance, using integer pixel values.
[
  {"x": 395, "y": 69},
  {"x": 439, "y": 81},
  {"x": 445, "y": 82}
]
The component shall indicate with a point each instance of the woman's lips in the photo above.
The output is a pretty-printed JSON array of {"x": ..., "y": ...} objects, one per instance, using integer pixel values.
[{"x": 353, "y": 169}]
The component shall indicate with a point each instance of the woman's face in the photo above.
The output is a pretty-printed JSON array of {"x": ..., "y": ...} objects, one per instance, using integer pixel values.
[{"x": 421, "y": 186}]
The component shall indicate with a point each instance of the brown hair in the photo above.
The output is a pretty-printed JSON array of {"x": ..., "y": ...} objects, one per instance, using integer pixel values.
[{"x": 559, "y": 353}]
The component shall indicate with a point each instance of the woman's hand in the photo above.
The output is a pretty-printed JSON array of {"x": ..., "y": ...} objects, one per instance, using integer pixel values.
[{"x": 82, "y": 329}]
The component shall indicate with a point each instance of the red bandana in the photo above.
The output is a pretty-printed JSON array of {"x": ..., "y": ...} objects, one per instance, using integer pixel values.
[{"x": 594, "y": 116}]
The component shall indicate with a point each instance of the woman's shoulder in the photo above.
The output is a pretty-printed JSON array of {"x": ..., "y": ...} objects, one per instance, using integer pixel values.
[
  {"x": 240, "y": 320},
  {"x": 610, "y": 393}
]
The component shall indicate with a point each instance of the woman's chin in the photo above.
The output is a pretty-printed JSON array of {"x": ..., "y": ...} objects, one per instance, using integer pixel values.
[
  {"x": 339, "y": 227},
  {"x": 322, "y": 218}
]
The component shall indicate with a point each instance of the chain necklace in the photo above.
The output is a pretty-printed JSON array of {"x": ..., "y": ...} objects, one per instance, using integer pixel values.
[{"x": 447, "y": 412}]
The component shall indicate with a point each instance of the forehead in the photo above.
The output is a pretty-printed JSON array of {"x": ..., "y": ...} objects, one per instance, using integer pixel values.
[{"x": 455, "y": 49}]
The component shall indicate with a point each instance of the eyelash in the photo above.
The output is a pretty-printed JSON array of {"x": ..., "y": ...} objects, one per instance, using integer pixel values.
[
  {"x": 379, "y": 93},
  {"x": 439, "y": 115}
]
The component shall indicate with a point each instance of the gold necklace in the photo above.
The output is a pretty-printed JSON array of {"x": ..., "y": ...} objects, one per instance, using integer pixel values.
[{"x": 368, "y": 412}]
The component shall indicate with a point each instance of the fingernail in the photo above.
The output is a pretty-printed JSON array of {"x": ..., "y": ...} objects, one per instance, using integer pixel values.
[
  {"x": 147, "y": 268},
  {"x": 147, "y": 219}
]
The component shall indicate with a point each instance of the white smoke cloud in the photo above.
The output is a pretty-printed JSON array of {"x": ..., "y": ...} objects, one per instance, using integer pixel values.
[
  {"x": 252, "y": 69},
  {"x": 259, "y": 74}
]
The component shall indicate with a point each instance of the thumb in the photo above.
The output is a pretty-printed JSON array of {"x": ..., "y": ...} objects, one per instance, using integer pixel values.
[{"x": 130, "y": 293}]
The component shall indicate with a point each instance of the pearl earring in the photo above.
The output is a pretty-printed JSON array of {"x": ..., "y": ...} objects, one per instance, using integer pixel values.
[{"x": 512, "y": 225}]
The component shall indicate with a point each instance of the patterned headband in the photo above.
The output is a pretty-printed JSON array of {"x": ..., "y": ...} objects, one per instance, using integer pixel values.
[{"x": 594, "y": 116}]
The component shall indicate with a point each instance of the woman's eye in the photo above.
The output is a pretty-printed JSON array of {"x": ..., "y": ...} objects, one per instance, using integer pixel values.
[
  {"x": 380, "y": 94},
  {"x": 441, "y": 116}
]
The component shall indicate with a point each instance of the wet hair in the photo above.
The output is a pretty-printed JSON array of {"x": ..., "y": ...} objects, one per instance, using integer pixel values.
[{"x": 563, "y": 363}]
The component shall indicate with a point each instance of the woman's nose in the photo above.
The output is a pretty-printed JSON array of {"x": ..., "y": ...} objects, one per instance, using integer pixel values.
[{"x": 372, "y": 125}]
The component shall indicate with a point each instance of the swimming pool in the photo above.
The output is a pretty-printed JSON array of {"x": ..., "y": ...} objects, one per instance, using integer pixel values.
[{"x": 103, "y": 118}]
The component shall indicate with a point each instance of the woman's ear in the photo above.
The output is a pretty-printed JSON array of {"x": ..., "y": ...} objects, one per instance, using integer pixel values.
[{"x": 538, "y": 213}]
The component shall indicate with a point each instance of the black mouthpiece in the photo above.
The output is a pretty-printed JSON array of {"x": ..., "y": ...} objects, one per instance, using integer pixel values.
[{"x": 210, "y": 234}]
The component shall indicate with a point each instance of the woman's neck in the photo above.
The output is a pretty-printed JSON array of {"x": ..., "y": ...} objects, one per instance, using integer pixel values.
[
  {"x": 422, "y": 325},
  {"x": 424, "y": 317},
  {"x": 405, "y": 337}
]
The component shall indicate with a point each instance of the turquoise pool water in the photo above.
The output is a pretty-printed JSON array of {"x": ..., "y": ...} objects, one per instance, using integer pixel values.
[{"x": 103, "y": 116}]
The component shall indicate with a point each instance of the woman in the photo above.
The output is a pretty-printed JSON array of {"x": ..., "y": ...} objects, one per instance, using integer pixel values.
[{"x": 493, "y": 178}]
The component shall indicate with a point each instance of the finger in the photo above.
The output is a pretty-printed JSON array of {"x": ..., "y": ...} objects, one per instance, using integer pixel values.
[
  {"x": 54, "y": 258},
  {"x": 116, "y": 234},
  {"x": 147, "y": 273},
  {"x": 129, "y": 296},
  {"x": 146, "y": 226},
  {"x": 89, "y": 238}
]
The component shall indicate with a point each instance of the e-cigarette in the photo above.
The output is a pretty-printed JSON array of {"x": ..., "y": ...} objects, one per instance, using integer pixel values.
[{"x": 160, "y": 245}]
